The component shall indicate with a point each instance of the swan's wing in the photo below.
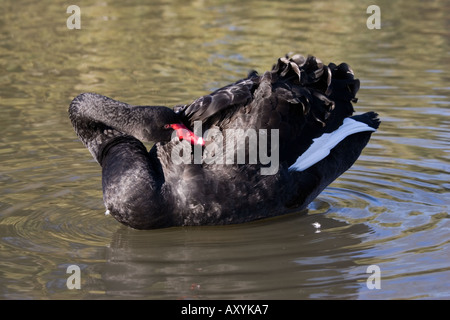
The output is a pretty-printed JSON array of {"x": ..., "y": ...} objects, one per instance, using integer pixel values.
[
  {"x": 293, "y": 99},
  {"x": 297, "y": 97},
  {"x": 311, "y": 99},
  {"x": 219, "y": 104},
  {"x": 287, "y": 80}
]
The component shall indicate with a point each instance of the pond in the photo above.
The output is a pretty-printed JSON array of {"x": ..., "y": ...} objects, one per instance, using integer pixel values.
[{"x": 390, "y": 210}]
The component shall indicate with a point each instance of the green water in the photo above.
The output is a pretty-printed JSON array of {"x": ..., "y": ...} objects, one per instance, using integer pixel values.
[{"x": 390, "y": 209}]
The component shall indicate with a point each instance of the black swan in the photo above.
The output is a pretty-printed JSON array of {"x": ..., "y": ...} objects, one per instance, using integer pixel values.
[{"x": 263, "y": 146}]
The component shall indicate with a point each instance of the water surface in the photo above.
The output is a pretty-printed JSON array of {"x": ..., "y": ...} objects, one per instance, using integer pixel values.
[{"x": 390, "y": 209}]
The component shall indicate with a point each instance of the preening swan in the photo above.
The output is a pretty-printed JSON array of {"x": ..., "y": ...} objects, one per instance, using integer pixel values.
[{"x": 263, "y": 146}]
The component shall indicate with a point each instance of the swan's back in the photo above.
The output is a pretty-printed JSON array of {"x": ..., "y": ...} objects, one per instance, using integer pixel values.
[
  {"x": 293, "y": 98},
  {"x": 293, "y": 101}
]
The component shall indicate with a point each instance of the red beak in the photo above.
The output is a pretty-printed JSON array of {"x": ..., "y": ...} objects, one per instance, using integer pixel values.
[{"x": 185, "y": 134}]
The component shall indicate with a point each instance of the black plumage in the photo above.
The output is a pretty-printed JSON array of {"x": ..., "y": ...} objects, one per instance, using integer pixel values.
[{"x": 299, "y": 100}]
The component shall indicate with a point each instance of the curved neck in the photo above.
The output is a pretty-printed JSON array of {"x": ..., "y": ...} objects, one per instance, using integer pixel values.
[
  {"x": 131, "y": 186},
  {"x": 146, "y": 123}
]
